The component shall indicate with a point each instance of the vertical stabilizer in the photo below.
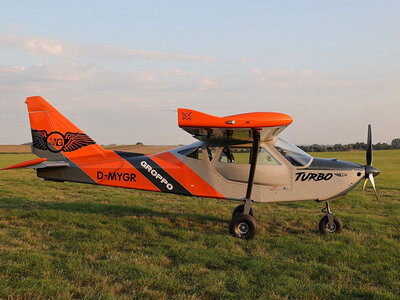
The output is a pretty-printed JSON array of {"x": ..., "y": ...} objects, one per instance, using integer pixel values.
[{"x": 54, "y": 136}]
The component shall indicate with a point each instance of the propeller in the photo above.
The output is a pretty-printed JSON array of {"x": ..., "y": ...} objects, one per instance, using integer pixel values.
[{"x": 370, "y": 171}]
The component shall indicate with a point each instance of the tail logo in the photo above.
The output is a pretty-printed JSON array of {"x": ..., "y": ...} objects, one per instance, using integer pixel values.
[{"x": 56, "y": 141}]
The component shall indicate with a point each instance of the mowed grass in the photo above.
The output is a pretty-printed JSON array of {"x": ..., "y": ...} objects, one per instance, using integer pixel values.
[{"x": 68, "y": 240}]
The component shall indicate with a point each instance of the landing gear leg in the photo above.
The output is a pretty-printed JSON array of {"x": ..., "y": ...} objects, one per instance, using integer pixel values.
[
  {"x": 241, "y": 209},
  {"x": 243, "y": 225},
  {"x": 330, "y": 223}
]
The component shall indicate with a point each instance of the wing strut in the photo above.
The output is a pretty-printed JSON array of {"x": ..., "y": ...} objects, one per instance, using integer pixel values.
[{"x": 254, "y": 156}]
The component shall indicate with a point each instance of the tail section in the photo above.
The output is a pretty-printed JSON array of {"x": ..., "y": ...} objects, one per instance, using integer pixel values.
[{"x": 54, "y": 137}]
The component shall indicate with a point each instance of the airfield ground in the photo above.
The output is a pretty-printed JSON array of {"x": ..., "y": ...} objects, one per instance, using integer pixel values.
[{"x": 68, "y": 240}]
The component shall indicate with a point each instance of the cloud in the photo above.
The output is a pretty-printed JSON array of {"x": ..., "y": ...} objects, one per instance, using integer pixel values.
[
  {"x": 346, "y": 83},
  {"x": 256, "y": 71},
  {"x": 33, "y": 45},
  {"x": 12, "y": 69},
  {"x": 307, "y": 73},
  {"x": 66, "y": 72},
  {"x": 207, "y": 83},
  {"x": 283, "y": 79},
  {"x": 40, "y": 46},
  {"x": 292, "y": 79},
  {"x": 93, "y": 79}
]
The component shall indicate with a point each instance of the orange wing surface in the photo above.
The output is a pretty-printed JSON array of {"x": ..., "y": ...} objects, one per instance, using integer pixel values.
[
  {"x": 232, "y": 129},
  {"x": 192, "y": 118}
]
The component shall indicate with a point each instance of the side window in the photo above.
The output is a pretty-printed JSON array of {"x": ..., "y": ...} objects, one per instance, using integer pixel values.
[
  {"x": 237, "y": 155},
  {"x": 265, "y": 158},
  {"x": 227, "y": 156},
  {"x": 242, "y": 155},
  {"x": 194, "y": 152}
]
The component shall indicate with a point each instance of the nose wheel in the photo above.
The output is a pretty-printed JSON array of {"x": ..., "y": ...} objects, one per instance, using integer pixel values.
[{"x": 330, "y": 223}]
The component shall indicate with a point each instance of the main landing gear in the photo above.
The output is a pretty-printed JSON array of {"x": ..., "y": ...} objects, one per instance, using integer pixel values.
[
  {"x": 243, "y": 225},
  {"x": 330, "y": 223}
]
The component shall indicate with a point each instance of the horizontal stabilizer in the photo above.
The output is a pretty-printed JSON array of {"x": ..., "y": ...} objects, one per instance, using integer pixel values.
[{"x": 38, "y": 163}]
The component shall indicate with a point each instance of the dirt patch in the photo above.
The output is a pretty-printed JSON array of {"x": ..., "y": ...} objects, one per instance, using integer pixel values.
[{"x": 15, "y": 149}]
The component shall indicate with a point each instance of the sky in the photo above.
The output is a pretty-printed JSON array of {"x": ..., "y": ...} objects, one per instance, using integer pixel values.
[{"x": 120, "y": 69}]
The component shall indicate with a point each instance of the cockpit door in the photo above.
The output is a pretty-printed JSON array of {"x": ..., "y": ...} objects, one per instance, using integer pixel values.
[{"x": 233, "y": 163}]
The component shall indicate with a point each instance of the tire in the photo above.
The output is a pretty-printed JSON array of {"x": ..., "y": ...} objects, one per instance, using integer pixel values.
[
  {"x": 243, "y": 226},
  {"x": 239, "y": 210},
  {"x": 324, "y": 225}
]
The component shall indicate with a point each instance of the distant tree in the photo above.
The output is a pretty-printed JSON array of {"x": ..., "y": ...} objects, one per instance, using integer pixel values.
[
  {"x": 348, "y": 147},
  {"x": 139, "y": 144},
  {"x": 316, "y": 148},
  {"x": 396, "y": 143},
  {"x": 382, "y": 146},
  {"x": 338, "y": 147}
]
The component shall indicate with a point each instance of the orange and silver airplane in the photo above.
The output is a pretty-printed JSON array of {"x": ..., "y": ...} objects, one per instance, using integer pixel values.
[{"x": 238, "y": 157}]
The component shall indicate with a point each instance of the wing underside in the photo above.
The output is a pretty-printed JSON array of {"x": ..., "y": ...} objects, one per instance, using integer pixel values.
[{"x": 236, "y": 129}]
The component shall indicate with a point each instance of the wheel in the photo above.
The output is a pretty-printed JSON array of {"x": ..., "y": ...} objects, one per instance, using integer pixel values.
[
  {"x": 243, "y": 226},
  {"x": 239, "y": 210},
  {"x": 324, "y": 227}
]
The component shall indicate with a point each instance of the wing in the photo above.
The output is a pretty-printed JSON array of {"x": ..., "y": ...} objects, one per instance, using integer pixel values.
[
  {"x": 74, "y": 141},
  {"x": 236, "y": 129},
  {"x": 39, "y": 139}
]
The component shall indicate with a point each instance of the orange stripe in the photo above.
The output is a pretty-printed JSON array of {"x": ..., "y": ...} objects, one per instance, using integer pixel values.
[
  {"x": 107, "y": 162},
  {"x": 186, "y": 176}
]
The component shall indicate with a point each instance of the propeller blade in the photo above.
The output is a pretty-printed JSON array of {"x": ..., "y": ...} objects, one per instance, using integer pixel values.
[
  {"x": 371, "y": 177},
  {"x": 369, "y": 146},
  {"x": 364, "y": 185}
]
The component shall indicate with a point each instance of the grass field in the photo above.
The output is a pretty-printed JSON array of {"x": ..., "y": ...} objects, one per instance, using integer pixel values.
[{"x": 67, "y": 240}]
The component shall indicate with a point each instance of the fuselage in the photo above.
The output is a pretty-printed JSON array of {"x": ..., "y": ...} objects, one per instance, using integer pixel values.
[{"x": 283, "y": 172}]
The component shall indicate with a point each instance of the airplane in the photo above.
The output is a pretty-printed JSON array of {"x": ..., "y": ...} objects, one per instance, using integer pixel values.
[{"x": 238, "y": 157}]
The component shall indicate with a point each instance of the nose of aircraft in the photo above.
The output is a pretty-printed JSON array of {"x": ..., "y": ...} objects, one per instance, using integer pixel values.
[{"x": 371, "y": 170}]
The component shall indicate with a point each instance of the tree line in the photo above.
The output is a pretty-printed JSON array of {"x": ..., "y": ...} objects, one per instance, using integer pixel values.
[{"x": 395, "y": 144}]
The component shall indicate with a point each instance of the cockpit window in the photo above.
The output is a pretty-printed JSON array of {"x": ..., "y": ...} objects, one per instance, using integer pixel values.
[
  {"x": 266, "y": 158},
  {"x": 292, "y": 153},
  {"x": 194, "y": 152},
  {"x": 227, "y": 156},
  {"x": 198, "y": 152},
  {"x": 242, "y": 155}
]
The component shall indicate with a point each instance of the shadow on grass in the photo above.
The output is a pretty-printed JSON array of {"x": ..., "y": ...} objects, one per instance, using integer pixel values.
[{"x": 111, "y": 210}]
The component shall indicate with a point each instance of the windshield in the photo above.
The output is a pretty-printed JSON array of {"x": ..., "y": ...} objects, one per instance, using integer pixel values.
[{"x": 292, "y": 153}]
